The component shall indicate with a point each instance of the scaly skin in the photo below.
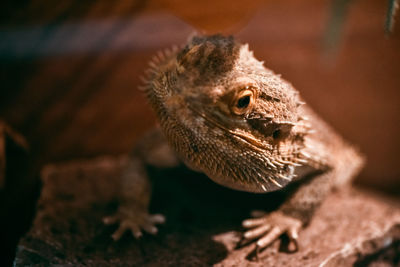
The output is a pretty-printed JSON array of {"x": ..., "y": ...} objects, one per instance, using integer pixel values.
[{"x": 224, "y": 114}]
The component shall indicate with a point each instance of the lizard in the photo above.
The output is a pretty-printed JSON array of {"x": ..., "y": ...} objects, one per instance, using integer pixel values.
[{"x": 222, "y": 112}]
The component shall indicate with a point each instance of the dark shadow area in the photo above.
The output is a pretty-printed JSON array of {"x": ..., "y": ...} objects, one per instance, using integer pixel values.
[
  {"x": 17, "y": 198},
  {"x": 388, "y": 255},
  {"x": 196, "y": 206}
]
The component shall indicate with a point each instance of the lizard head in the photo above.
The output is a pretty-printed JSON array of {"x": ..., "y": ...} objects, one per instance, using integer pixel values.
[{"x": 227, "y": 115}]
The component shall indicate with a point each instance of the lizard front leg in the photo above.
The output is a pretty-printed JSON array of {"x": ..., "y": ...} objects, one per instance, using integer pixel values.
[
  {"x": 135, "y": 191},
  {"x": 300, "y": 207},
  {"x": 295, "y": 213}
]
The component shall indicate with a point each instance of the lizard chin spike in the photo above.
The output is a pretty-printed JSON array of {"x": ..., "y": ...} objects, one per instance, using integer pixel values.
[
  {"x": 300, "y": 103},
  {"x": 275, "y": 182}
]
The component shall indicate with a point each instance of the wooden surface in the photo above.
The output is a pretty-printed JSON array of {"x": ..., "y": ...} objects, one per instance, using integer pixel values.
[{"x": 69, "y": 70}]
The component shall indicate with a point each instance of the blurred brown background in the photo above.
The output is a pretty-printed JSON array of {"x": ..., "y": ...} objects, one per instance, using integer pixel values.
[{"x": 69, "y": 70}]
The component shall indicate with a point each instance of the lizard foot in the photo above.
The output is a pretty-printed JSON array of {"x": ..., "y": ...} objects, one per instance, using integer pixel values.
[
  {"x": 134, "y": 221},
  {"x": 266, "y": 228}
]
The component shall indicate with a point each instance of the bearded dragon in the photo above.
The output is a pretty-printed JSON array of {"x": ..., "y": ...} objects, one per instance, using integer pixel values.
[{"x": 221, "y": 112}]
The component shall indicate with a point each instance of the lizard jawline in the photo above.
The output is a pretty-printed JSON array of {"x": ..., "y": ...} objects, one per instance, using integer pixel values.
[{"x": 261, "y": 147}]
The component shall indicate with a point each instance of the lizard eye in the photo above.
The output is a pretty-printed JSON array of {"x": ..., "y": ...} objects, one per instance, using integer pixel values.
[{"x": 243, "y": 101}]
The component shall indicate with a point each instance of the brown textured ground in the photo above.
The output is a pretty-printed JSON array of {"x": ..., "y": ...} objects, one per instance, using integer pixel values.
[{"x": 351, "y": 228}]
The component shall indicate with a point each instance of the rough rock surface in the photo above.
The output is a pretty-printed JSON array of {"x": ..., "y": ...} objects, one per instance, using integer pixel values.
[{"x": 352, "y": 228}]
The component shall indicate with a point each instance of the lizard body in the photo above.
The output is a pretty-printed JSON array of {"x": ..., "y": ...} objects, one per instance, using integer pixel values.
[{"x": 223, "y": 113}]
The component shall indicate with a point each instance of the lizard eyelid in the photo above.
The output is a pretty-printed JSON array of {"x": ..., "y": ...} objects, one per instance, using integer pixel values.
[{"x": 243, "y": 101}]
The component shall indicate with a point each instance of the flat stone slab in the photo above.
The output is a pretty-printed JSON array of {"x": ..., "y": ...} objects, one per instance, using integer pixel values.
[{"x": 352, "y": 228}]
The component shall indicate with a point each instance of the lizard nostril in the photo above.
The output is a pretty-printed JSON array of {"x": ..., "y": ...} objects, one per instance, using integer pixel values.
[{"x": 276, "y": 134}]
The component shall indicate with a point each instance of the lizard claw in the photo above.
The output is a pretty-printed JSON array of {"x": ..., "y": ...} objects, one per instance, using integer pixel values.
[
  {"x": 134, "y": 221},
  {"x": 266, "y": 229}
]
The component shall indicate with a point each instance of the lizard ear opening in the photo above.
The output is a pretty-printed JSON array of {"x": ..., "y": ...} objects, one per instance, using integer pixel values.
[{"x": 243, "y": 101}]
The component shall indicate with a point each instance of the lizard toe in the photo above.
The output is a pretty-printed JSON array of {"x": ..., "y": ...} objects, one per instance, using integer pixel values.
[
  {"x": 265, "y": 230},
  {"x": 134, "y": 221}
]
